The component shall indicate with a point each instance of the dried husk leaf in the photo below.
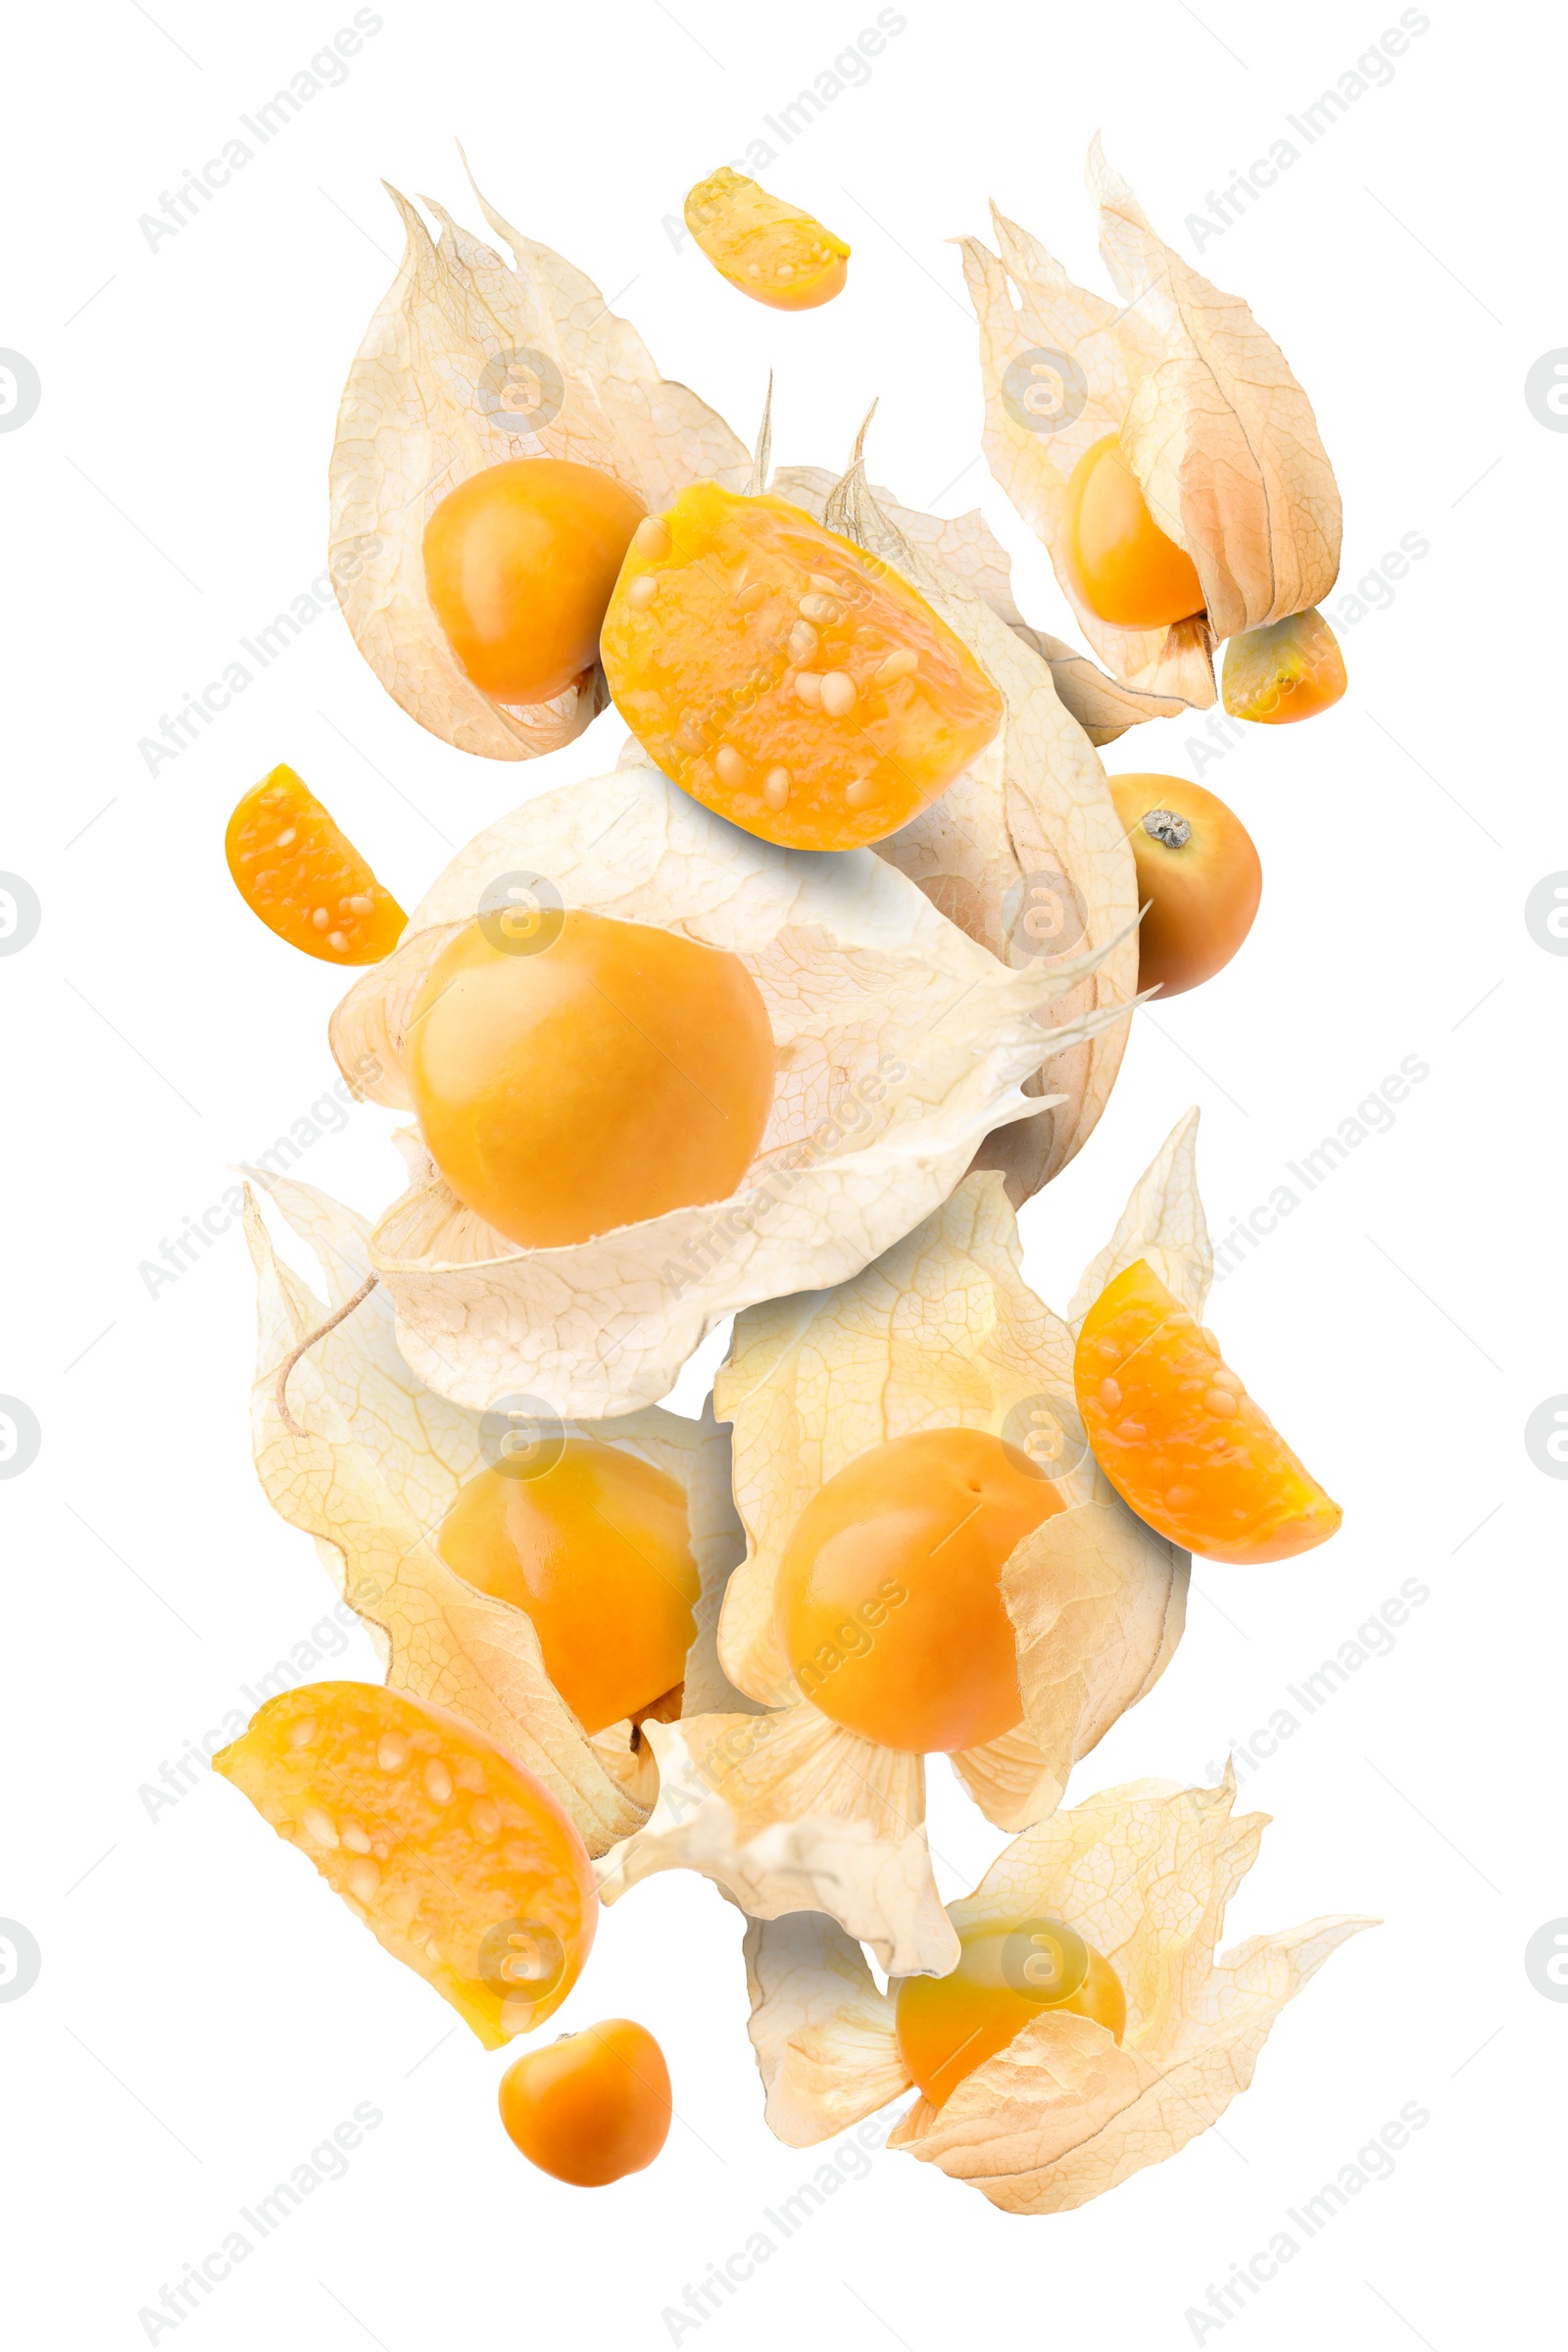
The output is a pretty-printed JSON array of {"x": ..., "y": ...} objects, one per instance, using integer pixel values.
[
  {"x": 426, "y": 405},
  {"x": 1163, "y": 1221},
  {"x": 786, "y": 1812},
  {"x": 1145, "y": 1874},
  {"x": 821, "y": 2031},
  {"x": 941, "y": 1332},
  {"x": 900, "y": 1045},
  {"x": 379, "y": 1466},
  {"x": 1217, "y": 430},
  {"x": 1028, "y": 832}
]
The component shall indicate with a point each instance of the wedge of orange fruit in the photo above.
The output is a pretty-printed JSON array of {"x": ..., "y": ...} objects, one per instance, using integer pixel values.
[
  {"x": 304, "y": 878},
  {"x": 460, "y": 1863},
  {"x": 1178, "y": 1437}
]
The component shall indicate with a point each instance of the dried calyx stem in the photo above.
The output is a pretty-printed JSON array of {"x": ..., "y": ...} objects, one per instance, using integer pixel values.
[{"x": 347, "y": 1308}]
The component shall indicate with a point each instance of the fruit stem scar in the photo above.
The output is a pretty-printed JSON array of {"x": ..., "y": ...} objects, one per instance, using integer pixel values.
[
  {"x": 280, "y": 1392},
  {"x": 1163, "y": 825}
]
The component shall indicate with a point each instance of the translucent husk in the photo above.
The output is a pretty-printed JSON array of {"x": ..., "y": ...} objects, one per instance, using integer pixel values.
[
  {"x": 373, "y": 1467},
  {"x": 1143, "y": 1873},
  {"x": 1218, "y": 432}
]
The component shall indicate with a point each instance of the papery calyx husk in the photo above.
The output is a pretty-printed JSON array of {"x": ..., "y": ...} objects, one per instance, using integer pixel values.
[
  {"x": 1218, "y": 432},
  {"x": 941, "y": 1332},
  {"x": 378, "y": 1465},
  {"x": 466, "y": 362},
  {"x": 1024, "y": 851},
  {"x": 1143, "y": 1873},
  {"x": 786, "y": 1810},
  {"x": 900, "y": 1045}
]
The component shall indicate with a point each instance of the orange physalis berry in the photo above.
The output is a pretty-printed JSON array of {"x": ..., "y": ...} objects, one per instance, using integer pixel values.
[
  {"x": 592, "y": 1544},
  {"x": 518, "y": 564},
  {"x": 1198, "y": 877},
  {"x": 1123, "y": 566},
  {"x": 591, "y": 2107},
  {"x": 1007, "y": 1973},
  {"x": 888, "y": 1600}
]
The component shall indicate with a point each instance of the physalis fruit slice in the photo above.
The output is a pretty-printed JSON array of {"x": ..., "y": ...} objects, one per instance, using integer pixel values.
[
  {"x": 461, "y": 1864},
  {"x": 1009, "y": 1972},
  {"x": 1179, "y": 1438},
  {"x": 1291, "y": 670},
  {"x": 304, "y": 878},
  {"x": 785, "y": 678},
  {"x": 592, "y": 1544},
  {"x": 591, "y": 2107},
  {"x": 771, "y": 250}
]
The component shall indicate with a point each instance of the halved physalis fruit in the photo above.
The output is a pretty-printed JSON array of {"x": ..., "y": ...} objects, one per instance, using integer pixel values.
[
  {"x": 1179, "y": 1438},
  {"x": 784, "y": 677},
  {"x": 771, "y": 250},
  {"x": 591, "y": 2107},
  {"x": 1125, "y": 568},
  {"x": 1009, "y": 1972},
  {"x": 1291, "y": 670},
  {"x": 1198, "y": 878},
  {"x": 520, "y": 560},
  {"x": 888, "y": 1597},
  {"x": 587, "y": 1074},
  {"x": 592, "y": 1544},
  {"x": 459, "y": 1862},
  {"x": 304, "y": 878}
]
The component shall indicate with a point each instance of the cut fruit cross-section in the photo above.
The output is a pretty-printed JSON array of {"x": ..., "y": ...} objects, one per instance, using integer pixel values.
[
  {"x": 1179, "y": 1438},
  {"x": 458, "y": 1860}
]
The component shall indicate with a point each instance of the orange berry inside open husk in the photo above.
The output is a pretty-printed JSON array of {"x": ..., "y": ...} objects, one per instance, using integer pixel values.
[
  {"x": 305, "y": 879},
  {"x": 1290, "y": 670},
  {"x": 518, "y": 564},
  {"x": 587, "y": 1075},
  {"x": 1009, "y": 1972},
  {"x": 770, "y": 250},
  {"x": 591, "y": 2107},
  {"x": 1199, "y": 876},
  {"x": 1123, "y": 566},
  {"x": 461, "y": 1864},
  {"x": 888, "y": 1597},
  {"x": 1179, "y": 1438},
  {"x": 591, "y": 1543},
  {"x": 785, "y": 678}
]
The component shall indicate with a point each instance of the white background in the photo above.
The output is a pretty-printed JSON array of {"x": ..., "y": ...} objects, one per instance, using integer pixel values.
[{"x": 206, "y": 2013}]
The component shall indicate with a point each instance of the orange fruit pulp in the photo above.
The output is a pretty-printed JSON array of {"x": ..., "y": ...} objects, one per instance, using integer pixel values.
[
  {"x": 459, "y": 1862},
  {"x": 1290, "y": 670},
  {"x": 305, "y": 879},
  {"x": 770, "y": 250},
  {"x": 784, "y": 677},
  {"x": 1179, "y": 1438},
  {"x": 593, "y": 1548},
  {"x": 1009, "y": 1972},
  {"x": 888, "y": 1599},
  {"x": 518, "y": 564},
  {"x": 590, "y": 1075},
  {"x": 1199, "y": 876},
  {"x": 1122, "y": 566}
]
